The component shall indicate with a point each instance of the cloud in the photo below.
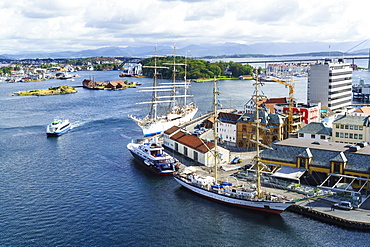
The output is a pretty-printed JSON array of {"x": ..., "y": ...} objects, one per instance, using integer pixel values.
[{"x": 88, "y": 24}]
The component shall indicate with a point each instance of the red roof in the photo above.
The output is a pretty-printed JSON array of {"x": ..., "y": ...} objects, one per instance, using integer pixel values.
[
  {"x": 193, "y": 142},
  {"x": 276, "y": 101},
  {"x": 171, "y": 130},
  {"x": 365, "y": 110}
]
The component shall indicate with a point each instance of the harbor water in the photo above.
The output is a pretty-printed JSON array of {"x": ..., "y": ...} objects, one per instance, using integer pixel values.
[{"x": 84, "y": 188}]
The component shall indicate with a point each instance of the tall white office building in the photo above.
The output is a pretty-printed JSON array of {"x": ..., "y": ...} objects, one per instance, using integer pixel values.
[{"x": 330, "y": 82}]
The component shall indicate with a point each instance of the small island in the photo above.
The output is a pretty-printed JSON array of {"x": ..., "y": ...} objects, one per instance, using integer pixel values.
[{"x": 50, "y": 91}]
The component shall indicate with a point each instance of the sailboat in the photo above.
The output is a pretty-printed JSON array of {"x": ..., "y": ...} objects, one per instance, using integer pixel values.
[
  {"x": 225, "y": 192},
  {"x": 166, "y": 110}
]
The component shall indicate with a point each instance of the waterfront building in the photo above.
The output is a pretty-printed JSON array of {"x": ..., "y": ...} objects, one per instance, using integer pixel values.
[
  {"x": 351, "y": 129},
  {"x": 315, "y": 132},
  {"x": 226, "y": 127},
  {"x": 197, "y": 149},
  {"x": 272, "y": 128},
  {"x": 268, "y": 104},
  {"x": 307, "y": 113},
  {"x": 363, "y": 111},
  {"x": 327, "y": 164},
  {"x": 330, "y": 82}
]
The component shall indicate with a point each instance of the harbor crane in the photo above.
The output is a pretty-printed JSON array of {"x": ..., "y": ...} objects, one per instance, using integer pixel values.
[{"x": 291, "y": 102}]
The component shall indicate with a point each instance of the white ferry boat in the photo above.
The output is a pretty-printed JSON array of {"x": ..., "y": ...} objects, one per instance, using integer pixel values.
[{"x": 58, "y": 126}]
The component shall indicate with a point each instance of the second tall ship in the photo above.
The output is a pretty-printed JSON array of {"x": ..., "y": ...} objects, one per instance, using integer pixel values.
[
  {"x": 224, "y": 192},
  {"x": 168, "y": 110}
]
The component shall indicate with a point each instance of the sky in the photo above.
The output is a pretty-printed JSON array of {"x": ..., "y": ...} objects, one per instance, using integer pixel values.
[{"x": 73, "y": 25}]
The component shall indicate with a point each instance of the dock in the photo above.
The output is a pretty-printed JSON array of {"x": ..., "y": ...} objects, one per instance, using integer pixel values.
[{"x": 316, "y": 208}]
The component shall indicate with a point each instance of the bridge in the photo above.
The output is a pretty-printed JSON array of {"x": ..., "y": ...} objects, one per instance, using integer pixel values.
[{"x": 353, "y": 58}]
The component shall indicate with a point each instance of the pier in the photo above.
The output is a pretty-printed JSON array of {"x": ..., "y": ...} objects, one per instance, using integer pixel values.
[{"x": 316, "y": 208}]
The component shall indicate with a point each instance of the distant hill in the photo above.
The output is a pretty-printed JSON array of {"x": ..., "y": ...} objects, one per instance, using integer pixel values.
[{"x": 226, "y": 49}]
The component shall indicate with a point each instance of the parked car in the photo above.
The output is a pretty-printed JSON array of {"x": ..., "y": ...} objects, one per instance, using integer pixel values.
[
  {"x": 361, "y": 144},
  {"x": 236, "y": 160},
  {"x": 343, "y": 205}
]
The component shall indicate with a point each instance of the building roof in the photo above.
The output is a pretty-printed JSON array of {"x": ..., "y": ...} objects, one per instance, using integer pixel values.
[
  {"x": 172, "y": 130},
  {"x": 353, "y": 120},
  {"x": 315, "y": 128},
  {"x": 228, "y": 117},
  {"x": 193, "y": 142},
  {"x": 365, "y": 110},
  {"x": 288, "y": 150},
  {"x": 276, "y": 101},
  {"x": 268, "y": 119}
]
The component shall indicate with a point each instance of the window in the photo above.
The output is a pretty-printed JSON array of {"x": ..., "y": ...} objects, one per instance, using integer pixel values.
[
  {"x": 342, "y": 126},
  {"x": 176, "y": 147},
  {"x": 361, "y": 128},
  {"x": 356, "y": 136},
  {"x": 351, "y": 135},
  {"x": 351, "y": 127},
  {"x": 313, "y": 136},
  {"x": 345, "y": 135},
  {"x": 336, "y": 134},
  {"x": 185, "y": 151},
  {"x": 360, "y": 136},
  {"x": 244, "y": 136},
  {"x": 337, "y": 126},
  {"x": 301, "y": 134},
  {"x": 341, "y": 135},
  {"x": 322, "y": 137},
  {"x": 346, "y": 127},
  {"x": 336, "y": 167},
  {"x": 356, "y": 127}
]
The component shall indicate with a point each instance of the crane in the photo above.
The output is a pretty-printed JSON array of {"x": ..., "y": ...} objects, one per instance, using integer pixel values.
[{"x": 291, "y": 102}]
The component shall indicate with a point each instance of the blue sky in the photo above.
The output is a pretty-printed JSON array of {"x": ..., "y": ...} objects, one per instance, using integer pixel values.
[{"x": 72, "y": 25}]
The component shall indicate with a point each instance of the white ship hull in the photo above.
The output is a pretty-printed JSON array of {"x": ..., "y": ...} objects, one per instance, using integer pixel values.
[
  {"x": 58, "y": 127},
  {"x": 265, "y": 206},
  {"x": 154, "y": 127}
]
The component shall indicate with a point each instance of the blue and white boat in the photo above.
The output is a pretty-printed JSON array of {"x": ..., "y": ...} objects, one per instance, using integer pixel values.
[
  {"x": 58, "y": 126},
  {"x": 152, "y": 156}
]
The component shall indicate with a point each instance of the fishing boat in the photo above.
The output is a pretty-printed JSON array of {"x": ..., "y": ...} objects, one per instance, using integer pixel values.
[
  {"x": 58, "y": 126},
  {"x": 166, "y": 110},
  {"x": 245, "y": 196},
  {"x": 152, "y": 156}
]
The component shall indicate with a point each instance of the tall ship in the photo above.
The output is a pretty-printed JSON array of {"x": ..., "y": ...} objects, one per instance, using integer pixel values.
[
  {"x": 170, "y": 105},
  {"x": 152, "y": 156},
  {"x": 252, "y": 196}
]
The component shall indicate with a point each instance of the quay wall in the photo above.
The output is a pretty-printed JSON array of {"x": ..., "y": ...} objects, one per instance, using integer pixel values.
[{"x": 327, "y": 218}]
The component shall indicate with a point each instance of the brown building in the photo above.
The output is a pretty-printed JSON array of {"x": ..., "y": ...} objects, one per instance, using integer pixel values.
[{"x": 272, "y": 129}]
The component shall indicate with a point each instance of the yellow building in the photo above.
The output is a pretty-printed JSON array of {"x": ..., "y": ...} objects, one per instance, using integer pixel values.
[
  {"x": 351, "y": 129},
  {"x": 273, "y": 128},
  {"x": 322, "y": 160}
]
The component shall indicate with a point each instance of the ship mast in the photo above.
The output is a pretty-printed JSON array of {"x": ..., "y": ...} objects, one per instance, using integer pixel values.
[
  {"x": 175, "y": 85},
  {"x": 153, "y": 113},
  {"x": 257, "y": 96},
  {"x": 215, "y": 133}
]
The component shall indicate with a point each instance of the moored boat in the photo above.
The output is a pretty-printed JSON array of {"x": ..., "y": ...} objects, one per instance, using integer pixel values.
[
  {"x": 166, "y": 110},
  {"x": 245, "y": 195},
  {"x": 152, "y": 156},
  {"x": 58, "y": 127}
]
